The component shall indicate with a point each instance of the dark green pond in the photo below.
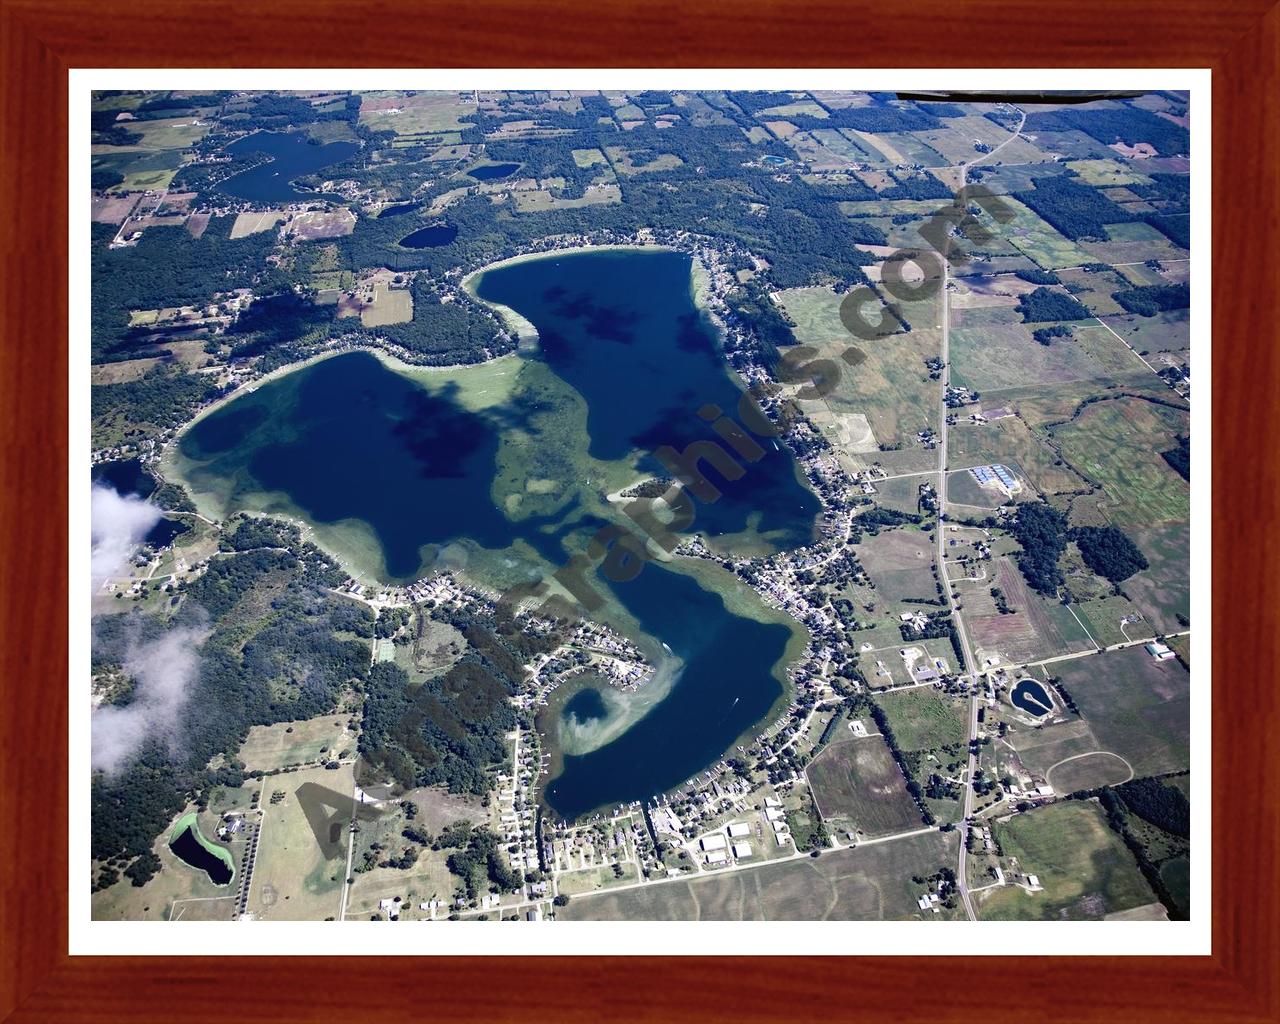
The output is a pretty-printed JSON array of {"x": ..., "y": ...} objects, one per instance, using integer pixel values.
[
  {"x": 348, "y": 438},
  {"x": 187, "y": 847},
  {"x": 430, "y": 238}
]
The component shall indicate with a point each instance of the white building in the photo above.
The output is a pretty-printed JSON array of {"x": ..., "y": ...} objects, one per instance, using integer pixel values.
[
  {"x": 1159, "y": 651},
  {"x": 741, "y": 850},
  {"x": 739, "y": 829},
  {"x": 715, "y": 841}
]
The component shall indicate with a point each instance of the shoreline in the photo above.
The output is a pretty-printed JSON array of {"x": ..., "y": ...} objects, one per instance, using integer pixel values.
[{"x": 702, "y": 297}]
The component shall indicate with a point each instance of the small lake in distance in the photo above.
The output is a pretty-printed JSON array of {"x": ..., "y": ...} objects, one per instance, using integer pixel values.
[
  {"x": 430, "y": 238},
  {"x": 292, "y": 155},
  {"x": 493, "y": 172}
]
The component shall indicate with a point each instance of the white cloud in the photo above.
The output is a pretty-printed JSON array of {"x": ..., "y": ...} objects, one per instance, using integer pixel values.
[
  {"x": 120, "y": 523},
  {"x": 162, "y": 672}
]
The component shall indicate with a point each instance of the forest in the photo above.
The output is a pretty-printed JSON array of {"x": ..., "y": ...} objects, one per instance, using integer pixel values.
[
  {"x": 1109, "y": 552},
  {"x": 1180, "y": 458},
  {"x": 1129, "y": 125},
  {"x": 1044, "y": 305},
  {"x": 1074, "y": 208},
  {"x": 1041, "y": 531},
  {"x": 1149, "y": 300}
]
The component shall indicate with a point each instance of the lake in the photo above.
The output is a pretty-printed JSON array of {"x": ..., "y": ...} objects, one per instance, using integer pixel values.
[
  {"x": 493, "y": 172},
  {"x": 621, "y": 327},
  {"x": 128, "y": 478},
  {"x": 419, "y": 464},
  {"x": 292, "y": 155},
  {"x": 430, "y": 238}
]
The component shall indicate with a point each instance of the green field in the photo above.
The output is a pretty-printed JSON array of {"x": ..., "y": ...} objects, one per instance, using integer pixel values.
[
  {"x": 1136, "y": 707},
  {"x": 858, "y": 781},
  {"x": 991, "y": 350},
  {"x": 924, "y": 718},
  {"x": 288, "y": 743},
  {"x": 1118, "y": 443},
  {"x": 1163, "y": 592},
  {"x": 1105, "y": 173},
  {"x": 389, "y": 306},
  {"x": 424, "y": 114},
  {"x": 1035, "y": 237},
  {"x": 1009, "y": 441},
  {"x": 887, "y": 382},
  {"x": 900, "y": 564},
  {"x": 870, "y": 883},
  {"x": 1039, "y": 627},
  {"x": 1085, "y": 870},
  {"x": 296, "y": 877}
]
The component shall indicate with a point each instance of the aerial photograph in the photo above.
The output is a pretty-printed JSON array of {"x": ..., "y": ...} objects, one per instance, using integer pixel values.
[{"x": 642, "y": 505}]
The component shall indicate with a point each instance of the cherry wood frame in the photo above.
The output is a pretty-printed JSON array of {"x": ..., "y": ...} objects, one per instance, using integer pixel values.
[{"x": 41, "y": 39}]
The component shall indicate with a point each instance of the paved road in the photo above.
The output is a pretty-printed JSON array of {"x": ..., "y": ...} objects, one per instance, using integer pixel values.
[{"x": 969, "y": 667}]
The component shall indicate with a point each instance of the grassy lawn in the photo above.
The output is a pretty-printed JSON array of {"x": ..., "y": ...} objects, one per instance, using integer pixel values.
[
  {"x": 389, "y": 306},
  {"x": 296, "y": 877},
  {"x": 287, "y": 743},
  {"x": 1083, "y": 867},
  {"x": 924, "y": 718}
]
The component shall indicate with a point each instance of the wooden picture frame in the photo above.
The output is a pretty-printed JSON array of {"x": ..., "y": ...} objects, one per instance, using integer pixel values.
[{"x": 42, "y": 39}]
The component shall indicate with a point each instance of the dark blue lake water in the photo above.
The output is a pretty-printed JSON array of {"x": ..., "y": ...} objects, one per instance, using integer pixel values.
[
  {"x": 292, "y": 155},
  {"x": 622, "y": 328},
  {"x": 127, "y": 477},
  {"x": 586, "y": 706}
]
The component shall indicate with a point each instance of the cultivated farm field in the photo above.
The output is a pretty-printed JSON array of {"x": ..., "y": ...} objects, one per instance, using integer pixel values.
[
  {"x": 857, "y": 780},
  {"x": 862, "y": 884}
]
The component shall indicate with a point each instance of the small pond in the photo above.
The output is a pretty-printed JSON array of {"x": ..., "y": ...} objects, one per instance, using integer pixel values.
[
  {"x": 398, "y": 210},
  {"x": 1032, "y": 698}
]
